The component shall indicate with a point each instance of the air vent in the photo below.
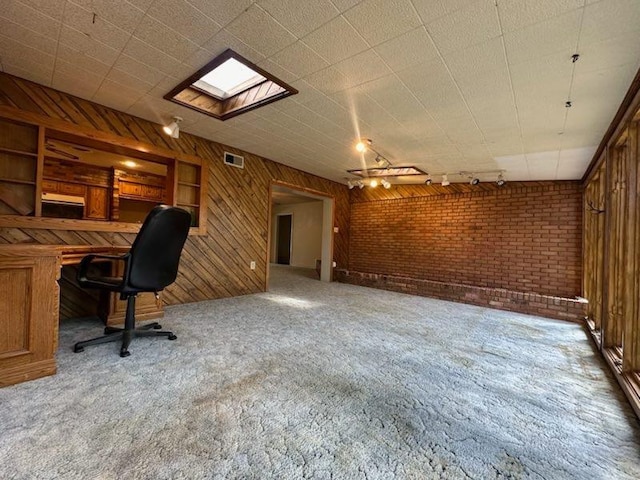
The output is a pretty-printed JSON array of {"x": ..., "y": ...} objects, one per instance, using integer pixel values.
[{"x": 233, "y": 160}]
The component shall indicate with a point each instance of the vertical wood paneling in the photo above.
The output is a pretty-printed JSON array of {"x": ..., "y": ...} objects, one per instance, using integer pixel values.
[{"x": 215, "y": 265}]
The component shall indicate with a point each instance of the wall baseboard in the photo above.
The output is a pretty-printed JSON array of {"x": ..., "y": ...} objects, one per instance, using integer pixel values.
[{"x": 569, "y": 309}]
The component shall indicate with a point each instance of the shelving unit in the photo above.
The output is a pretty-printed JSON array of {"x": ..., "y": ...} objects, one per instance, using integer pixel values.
[
  {"x": 18, "y": 167},
  {"x": 189, "y": 190}
]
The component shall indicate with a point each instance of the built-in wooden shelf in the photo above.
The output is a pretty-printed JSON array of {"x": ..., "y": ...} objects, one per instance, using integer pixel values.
[
  {"x": 187, "y": 184},
  {"x": 18, "y": 152},
  {"x": 195, "y": 205},
  {"x": 15, "y": 180}
]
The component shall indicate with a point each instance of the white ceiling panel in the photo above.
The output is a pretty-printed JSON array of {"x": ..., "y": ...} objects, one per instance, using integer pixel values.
[
  {"x": 381, "y": 20},
  {"x": 442, "y": 84}
]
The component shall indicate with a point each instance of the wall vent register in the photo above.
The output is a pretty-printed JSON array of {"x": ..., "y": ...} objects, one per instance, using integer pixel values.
[{"x": 233, "y": 160}]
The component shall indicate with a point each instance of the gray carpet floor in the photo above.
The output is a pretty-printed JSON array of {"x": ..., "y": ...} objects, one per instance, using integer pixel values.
[{"x": 325, "y": 381}]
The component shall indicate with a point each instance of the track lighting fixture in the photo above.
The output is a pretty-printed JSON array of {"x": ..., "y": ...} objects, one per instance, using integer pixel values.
[
  {"x": 363, "y": 144},
  {"x": 445, "y": 180},
  {"x": 373, "y": 183},
  {"x": 173, "y": 130},
  {"x": 428, "y": 181},
  {"x": 501, "y": 181},
  {"x": 385, "y": 183},
  {"x": 366, "y": 144},
  {"x": 350, "y": 184},
  {"x": 474, "y": 181},
  {"x": 360, "y": 184}
]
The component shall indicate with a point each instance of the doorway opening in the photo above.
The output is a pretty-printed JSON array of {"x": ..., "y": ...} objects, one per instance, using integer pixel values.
[
  {"x": 301, "y": 229},
  {"x": 283, "y": 238}
]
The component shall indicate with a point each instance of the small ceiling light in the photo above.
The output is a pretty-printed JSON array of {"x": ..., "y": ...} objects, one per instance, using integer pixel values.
[
  {"x": 350, "y": 184},
  {"x": 129, "y": 163},
  {"x": 173, "y": 130},
  {"x": 360, "y": 184},
  {"x": 362, "y": 145},
  {"x": 501, "y": 181},
  {"x": 373, "y": 183},
  {"x": 428, "y": 180},
  {"x": 385, "y": 183},
  {"x": 474, "y": 181},
  {"x": 445, "y": 180}
]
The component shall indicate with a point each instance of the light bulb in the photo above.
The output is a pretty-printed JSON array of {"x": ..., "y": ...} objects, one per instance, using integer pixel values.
[
  {"x": 373, "y": 183},
  {"x": 361, "y": 147}
]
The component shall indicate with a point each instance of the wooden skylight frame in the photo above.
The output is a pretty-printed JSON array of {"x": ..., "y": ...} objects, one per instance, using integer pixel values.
[{"x": 257, "y": 95}]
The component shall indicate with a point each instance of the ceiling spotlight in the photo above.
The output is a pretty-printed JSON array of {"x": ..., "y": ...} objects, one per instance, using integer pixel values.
[
  {"x": 362, "y": 145},
  {"x": 445, "y": 180},
  {"x": 373, "y": 183},
  {"x": 501, "y": 181},
  {"x": 380, "y": 160},
  {"x": 385, "y": 183},
  {"x": 474, "y": 181},
  {"x": 360, "y": 184},
  {"x": 350, "y": 184},
  {"x": 428, "y": 180},
  {"x": 173, "y": 130}
]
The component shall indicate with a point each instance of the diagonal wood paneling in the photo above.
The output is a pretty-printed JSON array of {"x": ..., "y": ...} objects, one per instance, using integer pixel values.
[{"x": 215, "y": 265}]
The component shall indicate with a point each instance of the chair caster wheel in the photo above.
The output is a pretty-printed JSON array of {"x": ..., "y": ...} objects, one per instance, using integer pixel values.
[
  {"x": 124, "y": 353},
  {"x": 157, "y": 327},
  {"x": 172, "y": 337},
  {"x": 77, "y": 349}
]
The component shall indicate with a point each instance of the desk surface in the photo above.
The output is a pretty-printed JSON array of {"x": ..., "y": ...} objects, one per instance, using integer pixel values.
[{"x": 68, "y": 254}]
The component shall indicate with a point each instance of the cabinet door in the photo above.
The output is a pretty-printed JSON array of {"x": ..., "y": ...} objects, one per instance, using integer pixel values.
[
  {"x": 128, "y": 188},
  {"x": 151, "y": 192},
  {"x": 97, "y": 203},
  {"x": 71, "y": 189}
]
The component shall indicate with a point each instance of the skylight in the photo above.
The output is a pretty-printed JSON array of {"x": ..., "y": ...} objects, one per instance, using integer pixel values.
[
  {"x": 229, "y": 78},
  {"x": 227, "y": 86}
]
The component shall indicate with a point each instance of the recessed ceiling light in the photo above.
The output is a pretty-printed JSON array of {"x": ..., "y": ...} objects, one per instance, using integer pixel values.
[{"x": 129, "y": 163}]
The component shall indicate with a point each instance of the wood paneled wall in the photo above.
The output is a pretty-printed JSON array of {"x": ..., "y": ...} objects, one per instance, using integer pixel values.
[
  {"x": 215, "y": 265},
  {"x": 611, "y": 241}
]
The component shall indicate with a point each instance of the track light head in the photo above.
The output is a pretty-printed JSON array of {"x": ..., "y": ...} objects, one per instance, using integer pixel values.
[
  {"x": 173, "y": 130},
  {"x": 501, "y": 181},
  {"x": 350, "y": 184},
  {"x": 363, "y": 144},
  {"x": 428, "y": 180},
  {"x": 385, "y": 183},
  {"x": 474, "y": 181},
  {"x": 360, "y": 184},
  {"x": 373, "y": 183},
  {"x": 445, "y": 181}
]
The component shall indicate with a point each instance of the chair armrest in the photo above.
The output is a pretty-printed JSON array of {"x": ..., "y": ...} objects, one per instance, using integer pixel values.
[{"x": 86, "y": 262}]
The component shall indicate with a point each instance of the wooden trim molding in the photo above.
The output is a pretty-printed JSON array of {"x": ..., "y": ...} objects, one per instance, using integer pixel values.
[{"x": 626, "y": 112}]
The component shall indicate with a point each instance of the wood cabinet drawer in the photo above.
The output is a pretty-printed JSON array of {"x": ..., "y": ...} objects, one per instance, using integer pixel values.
[
  {"x": 71, "y": 189},
  {"x": 49, "y": 186},
  {"x": 134, "y": 189},
  {"x": 151, "y": 192}
]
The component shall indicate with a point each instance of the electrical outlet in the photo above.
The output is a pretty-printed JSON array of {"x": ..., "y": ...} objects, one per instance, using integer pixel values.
[
  {"x": 334, "y": 264},
  {"x": 252, "y": 265}
]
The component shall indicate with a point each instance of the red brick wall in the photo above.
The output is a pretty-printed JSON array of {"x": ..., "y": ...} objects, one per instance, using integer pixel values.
[{"x": 519, "y": 237}]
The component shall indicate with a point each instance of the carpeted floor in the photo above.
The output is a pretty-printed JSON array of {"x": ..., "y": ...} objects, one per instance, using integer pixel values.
[{"x": 325, "y": 381}]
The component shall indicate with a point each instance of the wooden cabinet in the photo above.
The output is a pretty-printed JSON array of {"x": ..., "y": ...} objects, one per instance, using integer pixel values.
[
  {"x": 97, "y": 203},
  {"x": 189, "y": 191},
  {"x": 141, "y": 191},
  {"x": 28, "y": 314}
]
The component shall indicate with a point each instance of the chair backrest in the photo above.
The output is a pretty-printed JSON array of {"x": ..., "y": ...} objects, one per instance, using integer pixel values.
[{"x": 155, "y": 253}]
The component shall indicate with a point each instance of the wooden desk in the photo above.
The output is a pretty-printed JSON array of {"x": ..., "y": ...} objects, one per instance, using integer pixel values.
[{"x": 29, "y": 306}]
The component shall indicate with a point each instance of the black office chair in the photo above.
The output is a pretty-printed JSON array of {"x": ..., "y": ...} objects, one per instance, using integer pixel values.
[{"x": 150, "y": 266}]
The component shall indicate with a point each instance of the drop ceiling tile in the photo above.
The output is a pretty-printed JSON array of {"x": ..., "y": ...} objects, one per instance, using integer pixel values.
[
  {"x": 164, "y": 38},
  {"x": 609, "y": 53},
  {"x": 80, "y": 60},
  {"x": 34, "y": 71},
  {"x": 344, "y": 5},
  {"x": 157, "y": 110},
  {"x": 184, "y": 18},
  {"x": 556, "y": 35},
  {"x": 223, "y": 40},
  {"x": 543, "y": 165},
  {"x": 336, "y": 40},
  {"x": 101, "y": 30},
  {"x": 465, "y": 27},
  {"x": 27, "y": 37},
  {"x": 16, "y": 54},
  {"x": 80, "y": 75},
  {"x": 30, "y": 18},
  {"x": 125, "y": 78},
  {"x": 152, "y": 56},
  {"x": 260, "y": 31},
  {"x": 430, "y": 10},
  {"x": 222, "y": 12},
  {"x": 121, "y": 14},
  {"x": 299, "y": 59},
  {"x": 50, "y": 8},
  {"x": 141, "y": 4},
  {"x": 608, "y": 19},
  {"x": 328, "y": 80},
  {"x": 87, "y": 46},
  {"x": 381, "y": 20},
  {"x": 276, "y": 70},
  {"x": 516, "y": 14},
  {"x": 465, "y": 65},
  {"x": 540, "y": 141},
  {"x": 538, "y": 73},
  {"x": 407, "y": 50},
  {"x": 300, "y": 20},
  {"x": 138, "y": 70},
  {"x": 67, "y": 80},
  {"x": 115, "y": 95},
  {"x": 363, "y": 67}
]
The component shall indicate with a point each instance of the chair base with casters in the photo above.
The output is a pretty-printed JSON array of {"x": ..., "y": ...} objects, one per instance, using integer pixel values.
[{"x": 126, "y": 334}]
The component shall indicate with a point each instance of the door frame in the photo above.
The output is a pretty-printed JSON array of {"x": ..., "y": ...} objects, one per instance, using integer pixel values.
[{"x": 328, "y": 221}]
